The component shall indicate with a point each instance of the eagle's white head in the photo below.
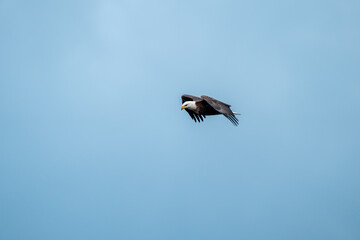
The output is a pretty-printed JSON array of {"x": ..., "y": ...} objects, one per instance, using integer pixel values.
[{"x": 190, "y": 105}]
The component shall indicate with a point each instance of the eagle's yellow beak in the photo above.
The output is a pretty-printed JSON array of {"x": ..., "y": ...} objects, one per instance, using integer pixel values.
[{"x": 182, "y": 107}]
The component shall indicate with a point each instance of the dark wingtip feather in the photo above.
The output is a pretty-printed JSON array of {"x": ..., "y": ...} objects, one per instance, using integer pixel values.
[
  {"x": 232, "y": 119},
  {"x": 197, "y": 117}
]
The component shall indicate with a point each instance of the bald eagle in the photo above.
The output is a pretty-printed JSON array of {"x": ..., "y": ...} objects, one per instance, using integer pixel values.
[{"x": 199, "y": 107}]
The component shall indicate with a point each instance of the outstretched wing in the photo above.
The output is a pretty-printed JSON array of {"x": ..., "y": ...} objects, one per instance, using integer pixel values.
[
  {"x": 221, "y": 108},
  {"x": 187, "y": 97}
]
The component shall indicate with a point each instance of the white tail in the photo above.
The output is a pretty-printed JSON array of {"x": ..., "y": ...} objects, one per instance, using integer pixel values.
[{"x": 235, "y": 113}]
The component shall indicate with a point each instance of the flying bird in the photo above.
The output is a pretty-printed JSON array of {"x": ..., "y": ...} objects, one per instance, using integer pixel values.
[{"x": 199, "y": 107}]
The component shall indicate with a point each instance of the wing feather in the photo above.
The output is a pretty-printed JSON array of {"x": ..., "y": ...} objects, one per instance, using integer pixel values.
[
  {"x": 197, "y": 117},
  {"x": 191, "y": 114}
]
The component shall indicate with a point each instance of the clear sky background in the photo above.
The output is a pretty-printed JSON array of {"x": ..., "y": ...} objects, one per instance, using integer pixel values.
[{"x": 93, "y": 144}]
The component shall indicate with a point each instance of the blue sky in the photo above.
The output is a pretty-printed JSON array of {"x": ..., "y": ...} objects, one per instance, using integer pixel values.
[{"x": 94, "y": 145}]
